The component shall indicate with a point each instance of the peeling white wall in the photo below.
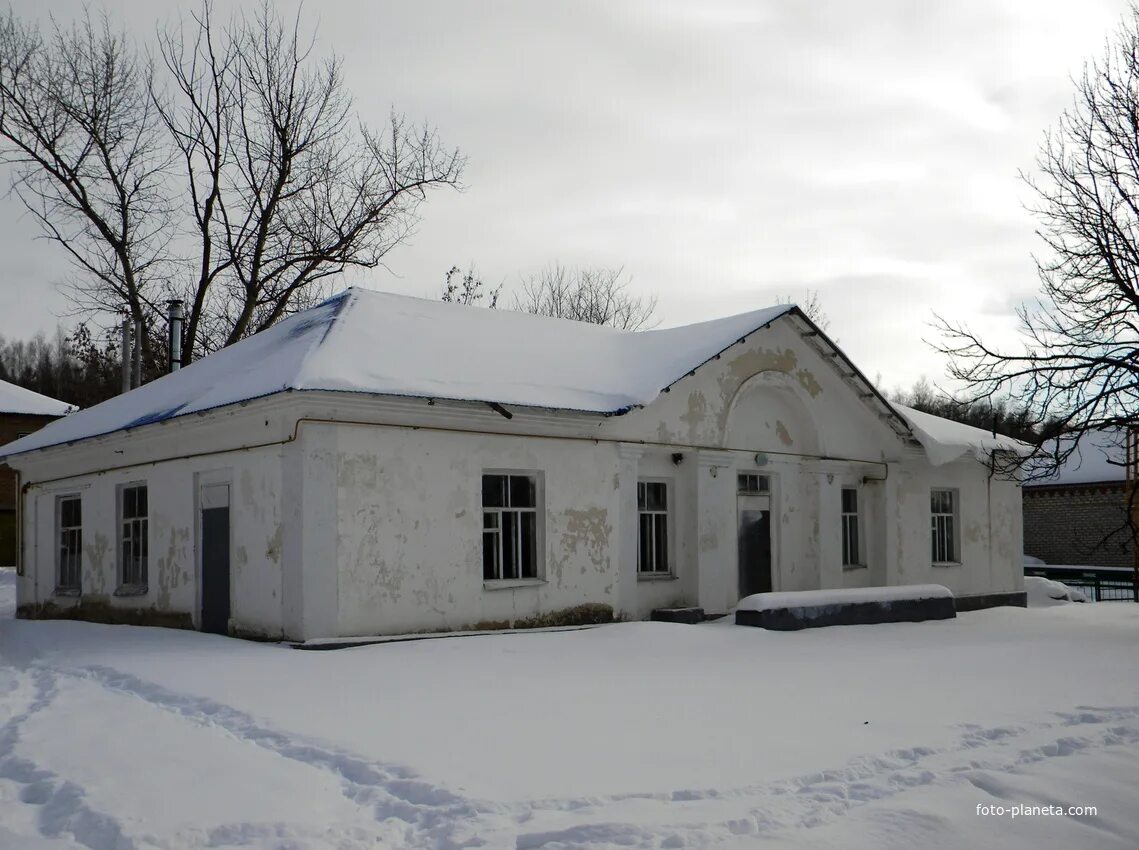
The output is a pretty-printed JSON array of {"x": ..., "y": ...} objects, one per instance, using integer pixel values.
[
  {"x": 256, "y": 538},
  {"x": 409, "y": 531}
]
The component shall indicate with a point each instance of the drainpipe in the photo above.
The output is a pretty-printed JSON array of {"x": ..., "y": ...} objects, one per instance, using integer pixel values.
[
  {"x": 126, "y": 351},
  {"x": 175, "y": 315},
  {"x": 136, "y": 365}
]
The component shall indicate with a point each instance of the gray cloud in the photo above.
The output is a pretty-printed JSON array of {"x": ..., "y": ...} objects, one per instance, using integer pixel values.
[{"x": 723, "y": 152}]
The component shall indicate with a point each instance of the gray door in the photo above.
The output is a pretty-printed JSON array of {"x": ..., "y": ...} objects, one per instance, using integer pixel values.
[
  {"x": 755, "y": 551},
  {"x": 215, "y": 558}
]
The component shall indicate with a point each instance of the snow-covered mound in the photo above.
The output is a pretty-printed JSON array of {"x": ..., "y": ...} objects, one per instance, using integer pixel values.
[
  {"x": 1043, "y": 592},
  {"x": 842, "y": 596}
]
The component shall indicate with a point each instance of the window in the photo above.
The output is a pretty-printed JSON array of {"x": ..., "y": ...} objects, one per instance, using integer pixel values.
[
  {"x": 652, "y": 516},
  {"x": 69, "y": 520},
  {"x": 753, "y": 484},
  {"x": 851, "y": 544},
  {"x": 133, "y": 536},
  {"x": 510, "y": 527},
  {"x": 943, "y": 510}
]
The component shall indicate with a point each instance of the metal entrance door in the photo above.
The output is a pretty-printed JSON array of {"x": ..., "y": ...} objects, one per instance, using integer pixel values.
[
  {"x": 754, "y": 546},
  {"x": 215, "y": 558}
]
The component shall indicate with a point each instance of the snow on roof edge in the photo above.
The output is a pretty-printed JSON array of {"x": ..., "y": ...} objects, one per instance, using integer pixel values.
[
  {"x": 20, "y": 401},
  {"x": 945, "y": 440}
]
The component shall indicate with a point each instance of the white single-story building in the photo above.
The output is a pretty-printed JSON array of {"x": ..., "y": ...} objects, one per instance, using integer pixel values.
[{"x": 382, "y": 464}]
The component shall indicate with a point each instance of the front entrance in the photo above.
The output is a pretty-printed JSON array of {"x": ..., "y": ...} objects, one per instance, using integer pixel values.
[
  {"x": 215, "y": 558},
  {"x": 754, "y": 544}
]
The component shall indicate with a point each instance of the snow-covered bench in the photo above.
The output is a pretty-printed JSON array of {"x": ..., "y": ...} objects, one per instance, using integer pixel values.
[{"x": 847, "y": 607}]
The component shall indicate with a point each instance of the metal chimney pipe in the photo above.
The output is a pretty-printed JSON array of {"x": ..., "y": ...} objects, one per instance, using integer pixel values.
[
  {"x": 175, "y": 316},
  {"x": 136, "y": 376},
  {"x": 126, "y": 352}
]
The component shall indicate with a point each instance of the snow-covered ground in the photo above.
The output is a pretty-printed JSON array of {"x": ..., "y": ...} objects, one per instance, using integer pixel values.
[{"x": 638, "y": 735}]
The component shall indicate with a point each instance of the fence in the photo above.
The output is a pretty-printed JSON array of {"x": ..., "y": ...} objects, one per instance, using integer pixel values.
[{"x": 1099, "y": 584}]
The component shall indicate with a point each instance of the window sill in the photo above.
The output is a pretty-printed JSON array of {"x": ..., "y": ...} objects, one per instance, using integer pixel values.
[
  {"x": 847, "y": 568},
  {"x": 132, "y": 590},
  {"x": 509, "y": 583},
  {"x": 69, "y": 592},
  {"x": 946, "y": 564},
  {"x": 657, "y": 577}
]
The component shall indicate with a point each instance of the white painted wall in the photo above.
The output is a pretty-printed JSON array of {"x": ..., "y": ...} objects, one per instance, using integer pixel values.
[
  {"x": 409, "y": 531},
  {"x": 256, "y": 538}
]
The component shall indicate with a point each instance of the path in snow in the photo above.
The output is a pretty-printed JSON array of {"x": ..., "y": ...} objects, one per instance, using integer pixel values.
[
  {"x": 130, "y": 739},
  {"x": 410, "y": 812}
]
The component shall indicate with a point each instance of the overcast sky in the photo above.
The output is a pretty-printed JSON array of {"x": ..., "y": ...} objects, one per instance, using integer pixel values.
[{"x": 723, "y": 153}]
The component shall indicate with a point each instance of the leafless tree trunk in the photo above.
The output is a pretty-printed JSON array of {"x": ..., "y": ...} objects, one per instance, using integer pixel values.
[
  {"x": 235, "y": 175},
  {"x": 598, "y": 296}
]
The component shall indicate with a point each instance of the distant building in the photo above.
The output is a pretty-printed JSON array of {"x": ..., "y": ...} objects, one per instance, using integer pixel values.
[
  {"x": 21, "y": 412},
  {"x": 381, "y": 464},
  {"x": 1078, "y": 516}
]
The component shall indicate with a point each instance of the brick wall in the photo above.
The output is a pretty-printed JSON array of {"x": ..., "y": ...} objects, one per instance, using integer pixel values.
[
  {"x": 12, "y": 425},
  {"x": 1078, "y": 524}
]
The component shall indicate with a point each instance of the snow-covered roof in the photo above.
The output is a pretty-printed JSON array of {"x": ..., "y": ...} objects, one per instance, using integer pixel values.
[
  {"x": 379, "y": 343},
  {"x": 15, "y": 399},
  {"x": 1097, "y": 457},
  {"x": 945, "y": 440}
]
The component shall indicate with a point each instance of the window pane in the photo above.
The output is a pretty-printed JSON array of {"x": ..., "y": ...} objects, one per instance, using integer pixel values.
[
  {"x": 141, "y": 506},
  {"x": 529, "y": 551},
  {"x": 69, "y": 516},
  {"x": 523, "y": 493},
  {"x": 129, "y": 502},
  {"x": 644, "y": 544},
  {"x": 655, "y": 496},
  {"x": 642, "y": 497},
  {"x": 854, "y": 559},
  {"x": 490, "y": 519},
  {"x": 489, "y": 555},
  {"x": 494, "y": 491},
  {"x": 509, "y": 544},
  {"x": 660, "y": 544}
]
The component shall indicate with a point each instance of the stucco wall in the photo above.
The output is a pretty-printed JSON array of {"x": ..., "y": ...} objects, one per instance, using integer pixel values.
[
  {"x": 989, "y": 528},
  {"x": 409, "y": 528},
  {"x": 255, "y": 555}
]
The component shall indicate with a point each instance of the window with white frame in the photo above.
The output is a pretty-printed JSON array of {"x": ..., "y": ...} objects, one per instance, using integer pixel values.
[
  {"x": 851, "y": 539},
  {"x": 943, "y": 526},
  {"x": 133, "y": 544},
  {"x": 753, "y": 484},
  {"x": 652, "y": 519},
  {"x": 69, "y": 534},
  {"x": 510, "y": 526}
]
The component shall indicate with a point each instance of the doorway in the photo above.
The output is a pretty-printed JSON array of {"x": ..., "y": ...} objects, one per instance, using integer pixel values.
[
  {"x": 214, "y": 501},
  {"x": 754, "y": 530}
]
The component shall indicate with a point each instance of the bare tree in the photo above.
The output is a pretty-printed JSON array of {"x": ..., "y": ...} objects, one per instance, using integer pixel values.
[
  {"x": 236, "y": 174},
  {"x": 1078, "y": 363},
  {"x": 467, "y": 288},
  {"x": 595, "y": 295},
  {"x": 88, "y": 156}
]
